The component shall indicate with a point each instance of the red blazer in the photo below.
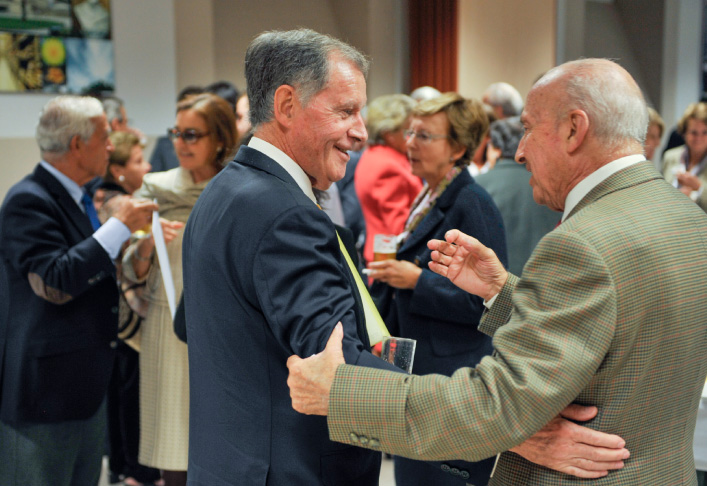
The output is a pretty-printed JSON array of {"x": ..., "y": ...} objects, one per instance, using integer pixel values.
[{"x": 386, "y": 189}]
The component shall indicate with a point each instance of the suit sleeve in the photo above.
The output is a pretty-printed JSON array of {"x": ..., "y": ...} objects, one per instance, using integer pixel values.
[
  {"x": 302, "y": 289},
  {"x": 563, "y": 321},
  {"x": 36, "y": 245}
]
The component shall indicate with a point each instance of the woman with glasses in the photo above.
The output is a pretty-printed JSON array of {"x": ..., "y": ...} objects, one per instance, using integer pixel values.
[
  {"x": 443, "y": 135},
  {"x": 204, "y": 138},
  {"x": 384, "y": 183}
]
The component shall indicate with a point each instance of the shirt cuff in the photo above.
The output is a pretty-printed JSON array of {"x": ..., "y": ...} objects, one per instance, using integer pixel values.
[
  {"x": 111, "y": 236},
  {"x": 489, "y": 303}
]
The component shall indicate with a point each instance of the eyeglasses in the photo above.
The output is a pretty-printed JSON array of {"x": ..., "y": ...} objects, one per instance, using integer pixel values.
[
  {"x": 423, "y": 137},
  {"x": 189, "y": 135}
]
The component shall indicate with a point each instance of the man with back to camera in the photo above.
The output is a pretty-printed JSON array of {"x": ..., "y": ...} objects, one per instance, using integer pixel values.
[
  {"x": 608, "y": 310},
  {"x": 59, "y": 302}
]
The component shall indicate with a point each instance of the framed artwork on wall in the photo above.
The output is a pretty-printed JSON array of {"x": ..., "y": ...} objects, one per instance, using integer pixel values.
[{"x": 56, "y": 46}]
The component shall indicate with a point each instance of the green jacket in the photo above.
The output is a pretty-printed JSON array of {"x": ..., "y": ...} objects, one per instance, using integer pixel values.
[{"x": 610, "y": 311}]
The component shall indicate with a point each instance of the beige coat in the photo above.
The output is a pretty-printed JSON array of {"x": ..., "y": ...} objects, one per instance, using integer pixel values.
[{"x": 164, "y": 368}]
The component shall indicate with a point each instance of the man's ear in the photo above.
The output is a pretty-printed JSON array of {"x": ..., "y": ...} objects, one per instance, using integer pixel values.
[
  {"x": 578, "y": 129},
  {"x": 76, "y": 143},
  {"x": 284, "y": 104}
]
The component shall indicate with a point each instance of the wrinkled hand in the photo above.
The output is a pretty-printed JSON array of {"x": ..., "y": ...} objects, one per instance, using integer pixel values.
[
  {"x": 689, "y": 181},
  {"x": 396, "y": 273},
  {"x": 572, "y": 449},
  {"x": 135, "y": 213},
  {"x": 470, "y": 265},
  {"x": 310, "y": 379}
]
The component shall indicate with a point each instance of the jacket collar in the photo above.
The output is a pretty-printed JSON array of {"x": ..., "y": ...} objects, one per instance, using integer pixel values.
[
  {"x": 43, "y": 177},
  {"x": 631, "y": 176}
]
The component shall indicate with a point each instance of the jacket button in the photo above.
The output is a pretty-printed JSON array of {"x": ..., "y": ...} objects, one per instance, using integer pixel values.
[
  {"x": 353, "y": 437},
  {"x": 464, "y": 474},
  {"x": 363, "y": 439},
  {"x": 454, "y": 471},
  {"x": 114, "y": 310},
  {"x": 113, "y": 344},
  {"x": 374, "y": 443},
  {"x": 445, "y": 467}
]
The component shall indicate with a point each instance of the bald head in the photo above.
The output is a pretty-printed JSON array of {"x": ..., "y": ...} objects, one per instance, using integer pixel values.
[{"x": 607, "y": 93}]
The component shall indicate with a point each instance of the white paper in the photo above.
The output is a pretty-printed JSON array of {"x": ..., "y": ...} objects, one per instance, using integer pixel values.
[{"x": 166, "y": 270}]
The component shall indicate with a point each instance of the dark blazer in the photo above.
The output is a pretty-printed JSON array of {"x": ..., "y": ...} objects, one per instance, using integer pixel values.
[
  {"x": 264, "y": 279},
  {"x": 58, "y": 306},
  {"x": 439, "y": 315}
]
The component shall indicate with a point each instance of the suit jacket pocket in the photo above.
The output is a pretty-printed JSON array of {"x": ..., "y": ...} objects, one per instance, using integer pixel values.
[{"x": 352, "y": 466}]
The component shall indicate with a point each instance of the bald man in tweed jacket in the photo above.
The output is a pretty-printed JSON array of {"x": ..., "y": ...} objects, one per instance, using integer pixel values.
[{"x": 609, "y": 311}]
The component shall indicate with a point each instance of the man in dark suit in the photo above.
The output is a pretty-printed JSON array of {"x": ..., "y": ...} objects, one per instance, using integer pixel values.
[
  {"x": 264, "y": 275},
  {"x": 59, "y": 302}
]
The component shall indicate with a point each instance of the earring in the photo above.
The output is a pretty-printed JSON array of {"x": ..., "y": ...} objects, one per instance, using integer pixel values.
[{"x": 121, "y": 178}]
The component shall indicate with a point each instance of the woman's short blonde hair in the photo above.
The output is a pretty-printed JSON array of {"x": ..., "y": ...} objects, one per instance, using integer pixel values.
[
  {"x": 468, "y": 121},
  {"x": 694, "y": 111},
  {"x": 123, "y": 143},
  {"x": 387, "y": 114}
]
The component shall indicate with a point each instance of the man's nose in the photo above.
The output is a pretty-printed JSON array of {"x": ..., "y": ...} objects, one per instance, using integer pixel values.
[{"x": 358, "y": 130}]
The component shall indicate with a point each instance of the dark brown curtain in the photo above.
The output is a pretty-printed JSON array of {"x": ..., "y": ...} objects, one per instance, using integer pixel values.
[{"x": 434, "y": 44}]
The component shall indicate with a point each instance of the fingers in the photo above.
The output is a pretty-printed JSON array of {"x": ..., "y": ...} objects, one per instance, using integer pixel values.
[
  {"x": 579, "y": 413},
  {"x": 594, "y": 438}
]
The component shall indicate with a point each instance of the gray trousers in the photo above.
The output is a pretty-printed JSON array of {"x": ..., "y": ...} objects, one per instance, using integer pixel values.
[{"x": 57, "y": 454}]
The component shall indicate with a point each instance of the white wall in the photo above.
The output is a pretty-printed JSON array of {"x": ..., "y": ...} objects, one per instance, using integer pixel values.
[
  {"x": 145, "y": 65},
  {"x": 510, "y": 40}
]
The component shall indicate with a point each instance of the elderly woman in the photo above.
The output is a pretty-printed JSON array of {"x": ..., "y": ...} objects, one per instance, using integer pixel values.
[
  {"x": 384, "y": 182},
  {"x": 443, "y": 135},
  {"x": 656, "y": 128},
  {"x": 204, "y": 139},
  {"x": 684, "y": 166}
]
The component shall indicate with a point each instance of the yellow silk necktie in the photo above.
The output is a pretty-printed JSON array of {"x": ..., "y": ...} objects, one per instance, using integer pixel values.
[{"x": 374, "y": 322}]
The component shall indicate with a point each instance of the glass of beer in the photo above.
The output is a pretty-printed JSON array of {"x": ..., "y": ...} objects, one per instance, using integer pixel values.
[{"x": 385, "y": 247}]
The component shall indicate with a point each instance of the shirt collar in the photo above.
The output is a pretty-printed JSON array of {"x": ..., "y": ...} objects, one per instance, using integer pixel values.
[
  {"x": 292, "y": 168},
  {"x": 71, "y": 187},
  {"x": 596, "y": 178}
]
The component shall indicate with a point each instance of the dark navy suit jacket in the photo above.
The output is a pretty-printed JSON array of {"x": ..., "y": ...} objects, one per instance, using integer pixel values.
[
  {"x": 58, "y": 306},
  {"x": 264, "y": 279}
]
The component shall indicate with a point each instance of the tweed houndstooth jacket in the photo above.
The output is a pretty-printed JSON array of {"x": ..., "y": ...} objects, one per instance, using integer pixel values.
[{"x": 610, "y": 311}]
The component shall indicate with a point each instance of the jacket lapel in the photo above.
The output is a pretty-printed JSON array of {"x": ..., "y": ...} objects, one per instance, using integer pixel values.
[
  {"x": 72, "y": 211},
  {"x": 258, "y": 160},
  {"x": 429, "y": 224}
]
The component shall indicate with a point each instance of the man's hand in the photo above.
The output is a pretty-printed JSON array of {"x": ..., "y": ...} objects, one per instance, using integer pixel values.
[
  {"x": 572, "y": 449},
  {"x": 135, "y": 213},
  {"x": 310, "y": 379},
  {"x": 468, "y": 264}
]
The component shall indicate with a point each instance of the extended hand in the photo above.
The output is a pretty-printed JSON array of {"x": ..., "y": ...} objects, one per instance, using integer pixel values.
[
  {"x": 396, "y": 273},
  {"x": 470, "y": 265},
  {"x": 170, "y": 229},
  {"x": 310, "y": 379},
  {"x": 135, "y": 213},
  {"x": 572, "y": 449},
  {"x": 691, "y": 182}
]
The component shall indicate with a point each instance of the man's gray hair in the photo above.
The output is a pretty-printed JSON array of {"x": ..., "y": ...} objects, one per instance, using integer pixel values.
[
  {"x": 64, "y": 117},
  {"x": 609, "y": 96},
  {"x": 112, "y": 106},
  {"x": 505, "y": 136},
  {"x": 298, "y": 58},
  {"x": 506, "y": 96}
]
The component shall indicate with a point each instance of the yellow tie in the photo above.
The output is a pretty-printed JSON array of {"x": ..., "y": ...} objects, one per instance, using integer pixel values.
[{"x": 374, "y": 322}]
